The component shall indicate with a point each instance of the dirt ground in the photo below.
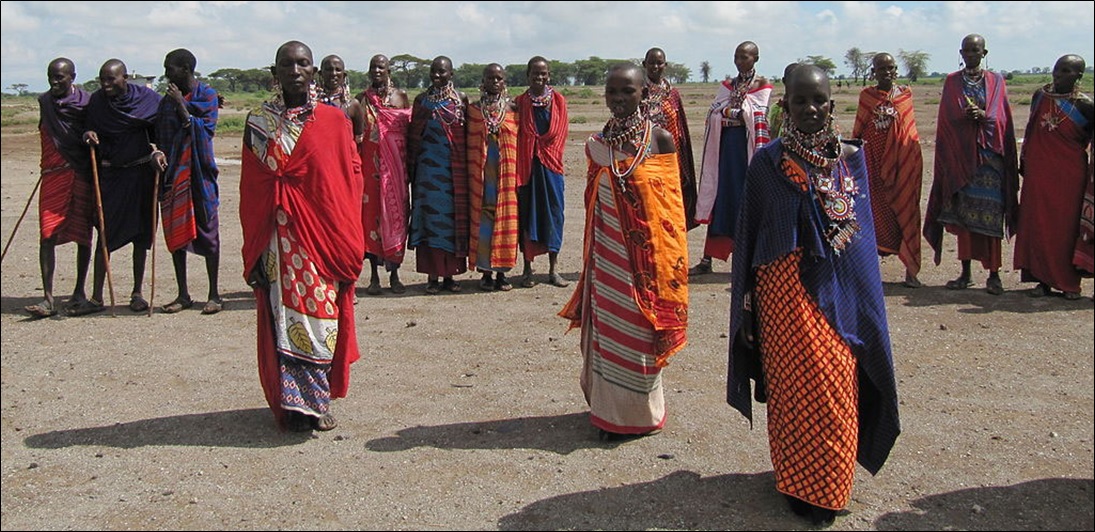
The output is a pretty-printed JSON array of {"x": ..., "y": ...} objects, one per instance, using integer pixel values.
[{"x": 465, "y": 411}]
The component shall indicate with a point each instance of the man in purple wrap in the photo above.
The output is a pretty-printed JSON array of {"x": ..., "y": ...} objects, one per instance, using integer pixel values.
[{"x": 121, "y": 126}]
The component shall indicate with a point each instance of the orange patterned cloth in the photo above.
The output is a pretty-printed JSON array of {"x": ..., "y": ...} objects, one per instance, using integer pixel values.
[
  {"x": 895, "y": 170},
  {"x": 652, "y": 220},
  {"x": 812, "y": 390},
  {"x": 503, "y": 246}
]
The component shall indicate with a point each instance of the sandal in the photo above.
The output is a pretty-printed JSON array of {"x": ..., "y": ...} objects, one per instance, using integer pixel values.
[
  {"x": 213, "y": 306},
  {"x": 373, "y": 289},
  {"x": 502, "y": 285},
  {"x": 433, "y": 287},
  {"x": 557, "y": 280},
  {"x": 994, "y": 286},
  {"x": 85, "y": 307},
  {"x": 960, "y": 283},
  {"x": 178, "y": 305},
  {"x": 1041, "y": 290},
  {"x": 137, "y": 303},
  {"x": 486, "y": 284},
  {"x": 41, "y": 310},
  {"x": 526, "y": 281},
  {"x": 451, "y": 285},
  {"x": 324, "y": 423},
  {"x": 1072, "y": 296},
  {"x": 397, "y": 287},
  {"x": 702, "y": 268}
]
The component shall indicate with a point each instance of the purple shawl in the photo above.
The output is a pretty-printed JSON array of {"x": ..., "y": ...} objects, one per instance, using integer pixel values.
[{"x": 65, "y": 121}]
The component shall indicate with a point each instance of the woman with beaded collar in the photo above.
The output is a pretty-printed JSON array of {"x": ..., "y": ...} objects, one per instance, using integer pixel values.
[
  {"x": 541, "y": 139},
  {"x": 664, "y": 107},
  {"x": 437, "y": 166},
  {"x": 737, "y": 126},
  {"x": 631, "y": 299},
  {"x": 975, "y": 184},
  {"x": 385, "y": 207},
  {"x": 1054, "y": 163},
  {"x": 492, "y": 181},
  {"x": 807, "y": 314},
  {"x": 886, "y": 122}
]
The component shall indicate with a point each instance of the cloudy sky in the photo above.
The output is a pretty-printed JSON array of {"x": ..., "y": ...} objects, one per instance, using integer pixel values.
[{"x": 1020, "y": 35}]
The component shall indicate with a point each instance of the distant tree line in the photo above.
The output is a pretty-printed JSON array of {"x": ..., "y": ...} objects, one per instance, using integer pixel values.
[{"x": 410, "y": 72}]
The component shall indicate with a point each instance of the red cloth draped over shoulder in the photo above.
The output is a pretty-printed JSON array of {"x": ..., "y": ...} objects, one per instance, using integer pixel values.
[
  {"x": 957, "y": 155},
  {"x": 320, "y": 190},
  {"x": 549, "y": 146}
]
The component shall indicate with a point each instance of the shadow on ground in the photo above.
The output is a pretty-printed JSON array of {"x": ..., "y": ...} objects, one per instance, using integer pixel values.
[
  {"x": 562, "y": 434},
  {"x": 250, "y": 428},
  {"x": 723, "y": 502},
  {"x": 1047, "y": 504}
]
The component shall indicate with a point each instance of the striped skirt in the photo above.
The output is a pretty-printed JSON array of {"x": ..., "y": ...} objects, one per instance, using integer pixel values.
[{"x": 620, "y": 380}]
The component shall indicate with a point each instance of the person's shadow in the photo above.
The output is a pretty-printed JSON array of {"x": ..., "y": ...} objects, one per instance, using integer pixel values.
[
  {"x": 682, "y": 500},
  {"x": 974, "y": 300},
  {"x": 1047, "y": 504},
  {"x": 561, "y": 434},
  {"x": 247, "y": 428}
]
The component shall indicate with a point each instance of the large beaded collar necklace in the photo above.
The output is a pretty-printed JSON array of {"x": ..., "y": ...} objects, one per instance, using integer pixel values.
[
  {"x": 543, "y": 100},
  {"x": 494, "y": 107}
]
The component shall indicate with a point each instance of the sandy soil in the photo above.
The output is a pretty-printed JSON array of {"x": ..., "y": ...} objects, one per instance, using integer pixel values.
[{"x": 465, "y": 410}]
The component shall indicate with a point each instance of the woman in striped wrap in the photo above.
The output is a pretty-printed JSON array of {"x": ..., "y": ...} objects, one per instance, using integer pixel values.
[
  {"x": 631, "y": 299},
  {"x": 895, "y": 164}
]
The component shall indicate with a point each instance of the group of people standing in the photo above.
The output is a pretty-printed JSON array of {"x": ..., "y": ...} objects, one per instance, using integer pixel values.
[
  {"x": 118, "y": 158},
  {"x": 329, "y": 180},
  {"x": 805, "y": 214}
]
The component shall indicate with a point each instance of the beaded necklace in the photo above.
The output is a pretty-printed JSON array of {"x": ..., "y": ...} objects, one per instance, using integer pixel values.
[
  {"x": 973, "y": 77},
  {"x": 741, "y": 86},
  {"x": 494, "y": 107},
  {"x": 618, "y": 131},
  {"x": 833, "y": 183},
  {"x": 815, "y": 147},
  {"x": 384, "y": 93},
  {"x": 439, "y": 97},
  {"x": 543, "y": 100},
  {"x": 656, "y": 93},
  {"x": 642, "y": 150},
  {"x": 885, "y": 112},
  {"x": 293, "y": 113},
  {"x": 338, "y": 97},
  {"x": 1053, "y": 119}
]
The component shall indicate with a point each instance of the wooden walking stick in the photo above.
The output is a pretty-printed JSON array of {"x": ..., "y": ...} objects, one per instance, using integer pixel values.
[
  {"x": 16, "y": 228},
  {"x": 155, "y": 222},
  {"x": 102, "y": 226}
]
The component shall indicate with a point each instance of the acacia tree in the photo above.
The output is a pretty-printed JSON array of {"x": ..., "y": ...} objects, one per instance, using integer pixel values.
[
  {"x": 821, "y": 62},
  {"x": 408, "y": 71},
  {"x": 859, "y": 62},
  {"x": 705, "y": 71},
  {"x": 676, "y": 73},
  {"x": 916, "y": 63}
]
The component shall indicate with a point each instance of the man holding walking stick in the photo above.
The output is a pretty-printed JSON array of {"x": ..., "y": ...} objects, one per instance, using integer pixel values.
[
  {"x": 65, "y": 201},
  {"x": 121, "y": 126}
]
